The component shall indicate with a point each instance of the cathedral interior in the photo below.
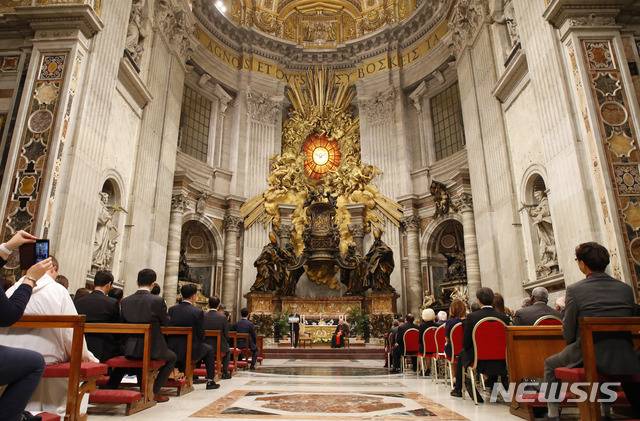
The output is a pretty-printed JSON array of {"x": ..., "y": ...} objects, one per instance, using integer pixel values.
[{"x": 309, "y": 156}]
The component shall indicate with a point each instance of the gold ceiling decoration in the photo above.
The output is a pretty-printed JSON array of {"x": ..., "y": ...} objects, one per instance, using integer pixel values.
[
  {"x": 318, "y": 23},
  {"x": 321, "y": 107}
]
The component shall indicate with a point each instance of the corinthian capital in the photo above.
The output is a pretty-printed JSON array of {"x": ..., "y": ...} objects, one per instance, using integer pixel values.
[
  {"x": 232, "y": 222},
  {"x": 262, "y": 108},
  {"x": 177, "y": 26},
  {"x": 178, "y": 202},
  {"x": 466, "y": 20},
  {"x": 464, "y": 203},
  {"x": 410, "y": 223}
]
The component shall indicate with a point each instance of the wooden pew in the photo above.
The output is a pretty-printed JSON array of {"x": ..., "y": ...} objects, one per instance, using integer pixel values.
[
  {"x": 589, "y": 373},
  {"x": 217, "y": 335},
  {"x": 81, "y": 376},
  {"x": 260, "y": 345},
  {"x": 527, "y": 348},
  {"x": 134, "y": 401},
  {"x": 185, "y": 386},
  {"x": 246, "y": 351}
]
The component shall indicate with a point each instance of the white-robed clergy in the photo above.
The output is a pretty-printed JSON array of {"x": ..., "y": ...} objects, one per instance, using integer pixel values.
[{"x": 48, "y": 298}]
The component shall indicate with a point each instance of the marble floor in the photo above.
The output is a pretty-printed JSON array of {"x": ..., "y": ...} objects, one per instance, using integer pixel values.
[{"x": 320, "y": 390}]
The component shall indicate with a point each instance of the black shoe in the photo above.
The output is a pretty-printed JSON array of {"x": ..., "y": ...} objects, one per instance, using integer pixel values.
[
  {"x": 212, "y": 385},
  {"x": 226, "y": 376},
  {"x": 26, "y": 416},
  {"x": 252, "y": 368},
  {"x": 456, "y": 393}
]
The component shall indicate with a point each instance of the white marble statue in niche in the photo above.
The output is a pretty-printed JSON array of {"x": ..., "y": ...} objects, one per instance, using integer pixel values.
[
  {"x": 541, "y": 220},
  {"x": 136, "y": 31},
  {"x": 106, "y": 238}
]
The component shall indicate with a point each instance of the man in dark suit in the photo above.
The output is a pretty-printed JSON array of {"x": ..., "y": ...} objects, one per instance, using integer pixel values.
[
  {"x": 98, "y": 307},
  {"x": 246, "y": 326},
  {"x": 399, "y": 344},
  {"x": 492, "y": 369},
  {"x": 215, "y": 319},
  {"x": 185, "y": 314},
  {"x": 598, "y": 295},
  {"x": 527, "y": 316},
  {"x": 144, "y": 307},
  {"x": 295, "y": 330}
]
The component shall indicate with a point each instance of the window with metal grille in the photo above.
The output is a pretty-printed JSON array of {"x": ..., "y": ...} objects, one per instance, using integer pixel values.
[
  {"x": 194, "y": 124},
  {"x": 446, "y": 115}
]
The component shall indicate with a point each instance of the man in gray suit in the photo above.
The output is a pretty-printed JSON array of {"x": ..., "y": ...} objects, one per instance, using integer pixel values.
[
  {"x": 598, "y": 295},
  {"x": 527, "y": 316}
]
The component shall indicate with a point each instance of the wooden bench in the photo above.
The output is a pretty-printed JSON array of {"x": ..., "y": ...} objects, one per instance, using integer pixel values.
[
  {"x": 185, "y": 385},
  {"x": 135, "y": 401},
  {"x": 81, "y": 376},
  {"x": 235, "y": 336},
  {"x": 590, "y": 411},
  {"x": 527, "y": 348}
]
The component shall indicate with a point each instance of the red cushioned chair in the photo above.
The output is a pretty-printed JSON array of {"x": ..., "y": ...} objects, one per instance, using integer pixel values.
[
  {"x": 440, "y": 354},
  {"x": 411, "y": 346},
  {"x": 548, "y": 320},
  {"x": 457, "y": 336},
  {"x": 430, "y": 349},
  {"x": 489, "y": 344}
]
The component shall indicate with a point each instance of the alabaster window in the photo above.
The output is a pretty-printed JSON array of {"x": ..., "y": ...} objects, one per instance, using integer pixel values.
[
  {"x": 194, "y": 124},
  {"x": 446, "y": 114}
]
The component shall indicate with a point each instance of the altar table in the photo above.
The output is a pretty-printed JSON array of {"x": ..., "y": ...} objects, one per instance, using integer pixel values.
[{"x": 319, "y": 334}]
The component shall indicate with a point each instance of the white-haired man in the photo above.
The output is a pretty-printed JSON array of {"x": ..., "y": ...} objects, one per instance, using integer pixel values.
[{"x": 527, "y": 316}]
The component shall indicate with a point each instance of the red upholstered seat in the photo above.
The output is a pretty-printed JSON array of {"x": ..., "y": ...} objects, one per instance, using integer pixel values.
[
  {"x": 411, "y": 344},
  {"x": 86, "y": 370},
  {"x": 46, "y": 416},
  {"x": 456, "y": 335},
  {"x": 231, "y": 367},
  {"x": 440, "y": 341},
  {"x": 490, "y": 340},
  {"x": 429, "y": 342},
  {"x": 537, "y": 399},
  {"x": 175, "y": 383},
  {"x": 242, "y": 364},
  {"x": 548, "y": 321},
  {"x": 102, "y": 380},
  {"x": 571, "y": 375},
  {"x": 200, "y": 372},
  {"x": 123, "y": 362},
  {"x": 117, "y": 396}
]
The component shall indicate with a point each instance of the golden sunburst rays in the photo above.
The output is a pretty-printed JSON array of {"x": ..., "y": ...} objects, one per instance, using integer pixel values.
[{"x": 319, "y": 91}]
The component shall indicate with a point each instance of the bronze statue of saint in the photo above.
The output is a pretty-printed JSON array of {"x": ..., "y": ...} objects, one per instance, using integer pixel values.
[
  {"x": 290, "y": 277},
  {"x": 355, "y": 279},
  {"x": 380, "y": 264},
  {"x": 183, "y": 266},
  {"x": 267, "y": 264}
]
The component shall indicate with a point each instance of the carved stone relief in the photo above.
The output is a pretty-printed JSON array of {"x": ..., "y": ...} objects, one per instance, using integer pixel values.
[{"x": 466, "y": 19}]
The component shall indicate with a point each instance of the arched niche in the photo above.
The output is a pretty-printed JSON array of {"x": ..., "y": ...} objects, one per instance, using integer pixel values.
[
  {"x": 445, "y": 264},
  {"x": 109, "y": 221},
  {"x": 198, "y": 257},
  {"x": 538, "y": 230}
]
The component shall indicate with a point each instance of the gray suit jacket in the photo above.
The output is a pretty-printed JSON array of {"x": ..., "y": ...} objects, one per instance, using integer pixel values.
[
  {"x": 600, "y": 295},
  {"x": 527, "y": 316}
]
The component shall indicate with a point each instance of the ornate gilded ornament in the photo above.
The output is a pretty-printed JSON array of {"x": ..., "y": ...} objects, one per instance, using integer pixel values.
[{"x": 320, "y": 150}]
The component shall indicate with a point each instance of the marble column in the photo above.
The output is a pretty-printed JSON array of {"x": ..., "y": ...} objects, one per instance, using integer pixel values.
[
  {"x": 232, "y": 224},
  {"x": 170, "y": 288},
  {"x": 411, "y": 226},
  {"x": 464, "y": 204},
  {"x": 356, "y": 225}
]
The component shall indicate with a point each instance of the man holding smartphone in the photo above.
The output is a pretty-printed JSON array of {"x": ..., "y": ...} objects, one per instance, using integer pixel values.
[{"x": 20, "y": 369}]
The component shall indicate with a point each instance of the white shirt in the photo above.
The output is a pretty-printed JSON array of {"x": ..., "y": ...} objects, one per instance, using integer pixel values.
[{"x": 48, "y": 298}]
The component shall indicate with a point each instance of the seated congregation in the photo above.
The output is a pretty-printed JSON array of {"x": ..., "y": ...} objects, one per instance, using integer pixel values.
[
  {"x": 538, "y": 344},
  {"x": 49, "y": 371},
  {"x": 62, "y": 356}
]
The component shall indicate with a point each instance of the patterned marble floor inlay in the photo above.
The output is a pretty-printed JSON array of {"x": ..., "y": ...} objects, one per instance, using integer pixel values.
[
  {"x": 344, "y": 371},
  {"x": 384, "y": 406},
  {"x": 274, "y": 382}
]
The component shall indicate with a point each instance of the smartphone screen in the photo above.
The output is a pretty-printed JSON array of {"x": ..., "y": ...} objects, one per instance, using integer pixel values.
[
  {"x": 42, "y": 250},
  {"x": 30, "y": 254}
]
